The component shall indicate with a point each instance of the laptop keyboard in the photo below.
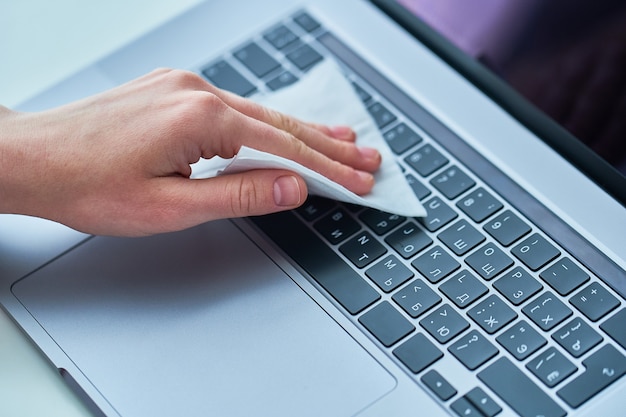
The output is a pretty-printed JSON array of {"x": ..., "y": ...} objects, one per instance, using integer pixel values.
[{"x": 474, "y": 288}]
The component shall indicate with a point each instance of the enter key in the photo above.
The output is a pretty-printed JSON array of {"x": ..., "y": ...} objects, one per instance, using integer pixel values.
[{"x": 603, "y": 368}]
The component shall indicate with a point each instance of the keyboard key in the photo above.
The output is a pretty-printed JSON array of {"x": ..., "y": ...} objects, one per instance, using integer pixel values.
[
  {"x": 483, "y": 402},
  {"x": 386, "y": 323},
  {"x": 337, "y": 226},
  {"x": 492, "y": 314},
  {"x": 362, "y": 249},
  {"x": 535, "y": 252},
  {"x": 518, "y": 391},
  {"x": 256, "y": 59},
  {"x": 401, "y": 137},
  {"x": 438, "y": 214},
  {"x": 551, "y": 367},
  {"x": 615, "y": 327},
  {"x": 280, "y": 37},
  {"x": 408, "y": 240},
  {"x": 389, "y": 273},
  {"x": 444, "y": 324},
  {"x": 418, "y": 188},
  {"x": 489, "y": 261},
  {"x": 517, "y": 286},
  {"x": 473, "y": 350},
  {"x": 224, "y": 76},
  {"x": 564, "y": 276},
  {"x": 418, "y": 353},
  {"x": 603, "y": 368},
  {"x": 382, "y": 115},
  {"x": 452, "y": 182},
  {"x": 283, "y": 80},
  {"x": 306, "y": 22},
  {"x": 416, "y": 298},
  {"x": 594, "y": 301},
  {"x": 463, "y": 289},
  {"x": 435, "y": 264},
  {"x": 577, "y": 337},
  {"x": 547, "y": 311},
  {"x": 361, "y": 92},
  {"x": 438, "y": 385},
  {"x": 314, "y": 207},
  {"x": 479, "y": 205},
  {"x": 379, "y": 221},
  {"x": 461, "y": 237},
  {"x": 521, "y": 340},
  {"x": 506, "y": 228},
  {"x": 464, "y": 408},
  {"x": 334, "y": 275},
  {"x": 304, "y": 57},
  {"x": 426, "y": 160}
]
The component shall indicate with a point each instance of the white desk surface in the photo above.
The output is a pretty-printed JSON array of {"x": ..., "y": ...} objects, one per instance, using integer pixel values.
[{"x": 42, "y": 42}]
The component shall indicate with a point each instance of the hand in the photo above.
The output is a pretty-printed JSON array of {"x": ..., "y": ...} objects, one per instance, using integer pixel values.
[{"x": 118, "y": 163}]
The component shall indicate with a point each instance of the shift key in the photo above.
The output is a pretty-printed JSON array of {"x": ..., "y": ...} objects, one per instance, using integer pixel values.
[{"x": 519, "y": 391}]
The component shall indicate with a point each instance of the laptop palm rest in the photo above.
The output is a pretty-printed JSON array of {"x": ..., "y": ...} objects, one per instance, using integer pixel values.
[{"x": 195, "y": 323}]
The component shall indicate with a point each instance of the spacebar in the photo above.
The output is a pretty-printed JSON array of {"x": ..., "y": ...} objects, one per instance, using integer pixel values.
[
  {"x": 315, "y": 257},
  {"x": 518, "y": 391}
]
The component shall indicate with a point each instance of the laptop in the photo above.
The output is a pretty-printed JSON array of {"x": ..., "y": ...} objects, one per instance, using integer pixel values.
[{"x": 506, "y": 299}]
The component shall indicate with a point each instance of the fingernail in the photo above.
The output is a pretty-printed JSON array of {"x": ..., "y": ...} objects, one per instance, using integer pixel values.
[
  {"x": 369, "y": 153},
  {"x": 341, "y": 132},
  {"x": 287, "y": 191}
]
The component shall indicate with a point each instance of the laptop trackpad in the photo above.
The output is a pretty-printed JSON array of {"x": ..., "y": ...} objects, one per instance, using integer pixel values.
[{"x": 199, "y": 323}]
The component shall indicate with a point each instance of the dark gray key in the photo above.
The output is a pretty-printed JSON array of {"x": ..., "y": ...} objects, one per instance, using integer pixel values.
[
  {"x": 306, "y": 22},
  {"x": 362, "y": 249},
  {"x": 506, "y": 228},
  {"x": 408, "y": 240},
  {"x": 435, "y": 264},
  {"x": 401, "y": 137},
  {"x": 416, "y": 298},
  {"x": 603, "y": 368},
  {"x": 444, "y": 324},
  {"x": 426, "y": 160},
  {"x": 331, "y": 272},
  {"x": 492, "y": 314},
  {"x": 389, "y": 273},
  {"x": 256, "y": 59},
  {"x": 379, "y": 221},
  {"x": 615, "y": 327},
  {"x": 547, "y": 311},
  {"x": 461, "y": 237},
  {"x": 551, "y": 367},
  {"x": 489, "y": 261},
  {"x": 280, "y": 37},
  {"x": 521, "y": 340},
  {"x": 473, "y": 350},
  {"x": 463, "y": 289},
  {"x": 452, "y": 182},
  {"x": 224, "y": 76},
  {"x": 479, "y": 204},
  {"x": 438, "y": 214},
  {"x": 535, "y": 251},
  {"x": 594, "y": 301},
  {"x": 464, "y": 408},
  {"x": 518, "y": 391},
  {"x": 564, "y": 276},
  {"x": 438, "y": 385},
  {"x": 304, "y": 57},
  {"x": 382, "y": 115},
  {"x": 517, "y": 285},
  {"x": 419, "y": 189},
  {"x": 577, "y": 337},
  {"x": 361, "y": 92},
  {"x": 483, "y": 402},
  {"x": 337, "y": 226},
  {"x": 386, "y": 323},
  {"x": 283, "y": 80},
  {"x": 314, "y": 207},
  {"x": 418, "y": 353}
]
